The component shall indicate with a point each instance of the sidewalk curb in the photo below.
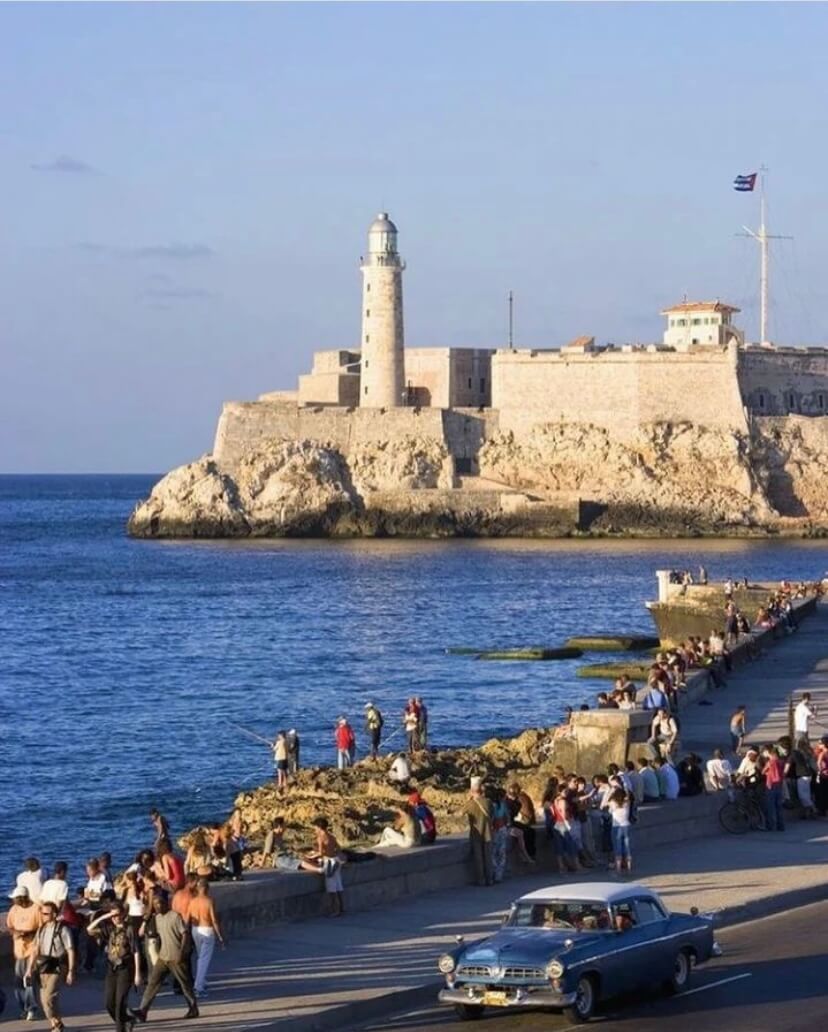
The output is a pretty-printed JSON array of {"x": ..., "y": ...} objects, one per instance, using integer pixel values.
[{"x": 356, "y": 1013}]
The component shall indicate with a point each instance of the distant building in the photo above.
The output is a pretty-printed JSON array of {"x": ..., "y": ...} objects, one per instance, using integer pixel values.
[{"x": 700, "y": 323}]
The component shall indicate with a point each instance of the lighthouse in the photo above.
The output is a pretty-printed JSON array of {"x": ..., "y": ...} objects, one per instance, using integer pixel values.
[{"x": 382, "y": 373}]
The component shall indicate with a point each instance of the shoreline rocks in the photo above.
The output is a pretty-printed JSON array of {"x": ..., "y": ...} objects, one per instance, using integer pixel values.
[{"x": 557, "y": 480}]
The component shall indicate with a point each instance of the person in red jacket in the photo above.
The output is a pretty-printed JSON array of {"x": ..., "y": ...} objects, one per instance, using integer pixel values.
[
  {"x": 773, "y": 772},
  {"x": 345, "y": 744}
]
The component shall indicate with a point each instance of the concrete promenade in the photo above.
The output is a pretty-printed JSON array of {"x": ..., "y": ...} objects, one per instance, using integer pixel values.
[{"x": 325, "y": 973}]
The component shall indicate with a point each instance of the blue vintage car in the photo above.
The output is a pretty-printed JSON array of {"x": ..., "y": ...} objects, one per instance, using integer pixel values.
[{"x": 569, "y": 947}]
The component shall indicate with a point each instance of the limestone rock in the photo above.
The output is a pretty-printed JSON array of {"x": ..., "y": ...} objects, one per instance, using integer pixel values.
[
  {"x": 405, "y": 463},
  {"x": 682, "y": 473},
  {"x": 196, "y": 500}
]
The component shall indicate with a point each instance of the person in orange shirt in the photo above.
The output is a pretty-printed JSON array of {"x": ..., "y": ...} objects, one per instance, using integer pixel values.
[{"x": 23, "y": 921}]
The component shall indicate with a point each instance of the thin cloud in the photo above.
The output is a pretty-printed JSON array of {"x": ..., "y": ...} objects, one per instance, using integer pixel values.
[
  {"x": 176, "y": 293},
  {"x": 171, "y": 252},
  {"x": 65, "y": 163}
]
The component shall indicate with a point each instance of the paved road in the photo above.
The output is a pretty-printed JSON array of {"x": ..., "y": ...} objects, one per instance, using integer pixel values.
[{"x": 770, "y": 979}]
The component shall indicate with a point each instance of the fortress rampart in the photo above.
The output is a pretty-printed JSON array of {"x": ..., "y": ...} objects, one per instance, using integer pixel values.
[
  {"x": 246, "y": 425},
  {"x": 617, "y": 390}
]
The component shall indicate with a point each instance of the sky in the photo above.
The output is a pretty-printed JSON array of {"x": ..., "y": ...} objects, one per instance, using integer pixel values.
[{"x": 187, "y": 187}]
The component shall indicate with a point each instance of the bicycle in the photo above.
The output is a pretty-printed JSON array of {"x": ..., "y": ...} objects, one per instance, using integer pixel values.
[{"x": 742, "y": 813}]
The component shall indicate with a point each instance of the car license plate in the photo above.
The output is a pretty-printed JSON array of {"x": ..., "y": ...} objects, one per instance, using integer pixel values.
[{"x": 495, "y": 998}]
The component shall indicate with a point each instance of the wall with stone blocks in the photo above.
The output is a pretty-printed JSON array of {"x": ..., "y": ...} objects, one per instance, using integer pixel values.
[
  {"x": 618, "y": 391},
  {"x": 777, "y": 383},
  {"x": 245, "y": 425}
]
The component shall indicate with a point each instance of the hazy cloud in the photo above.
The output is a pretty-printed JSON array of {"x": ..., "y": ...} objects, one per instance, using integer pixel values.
[
  {"x": 174, "y": 251},
  {"x": 65, "y": 163},
  {"x": 176, "y": 293}
]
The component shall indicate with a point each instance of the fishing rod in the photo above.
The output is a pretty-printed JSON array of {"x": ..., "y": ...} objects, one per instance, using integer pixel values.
[{"x": 252, "y": 734}]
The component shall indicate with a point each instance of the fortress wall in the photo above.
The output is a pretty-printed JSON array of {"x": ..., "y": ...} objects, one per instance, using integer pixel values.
[
  {"x": 427, "y": 370},
  {"x": 614, "y": 390},
  {"x": 776, "y": 383},
  {"x": 246, "y": 425}
]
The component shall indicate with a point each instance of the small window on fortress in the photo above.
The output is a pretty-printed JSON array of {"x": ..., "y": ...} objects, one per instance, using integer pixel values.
[
  {"x": 365, "y": 364},
  {"x": 821, "y": 402},
  {"x": 367, "y": 313},
  {"x": 697, "y": 322},
  {"x": 367, "y": 288},
  {"x": 761, "y": 401},
  {"x": 367, "y": 338},
  {"x": 364, "y": 390},
  {"x": 791, "y": 402},
  {"x": 482, "y": 384},
  {"x": 470, "y": 381}
]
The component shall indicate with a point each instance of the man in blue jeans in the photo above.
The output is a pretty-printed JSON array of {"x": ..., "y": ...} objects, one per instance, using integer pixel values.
[{"x": 774, "y": 774}]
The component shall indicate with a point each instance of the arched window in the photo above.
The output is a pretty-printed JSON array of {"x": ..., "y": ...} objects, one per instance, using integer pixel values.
[{"x": 761, "y": 402}]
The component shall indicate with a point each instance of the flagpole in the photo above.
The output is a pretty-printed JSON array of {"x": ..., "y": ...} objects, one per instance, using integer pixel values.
[{"x": 763, "y": 273}]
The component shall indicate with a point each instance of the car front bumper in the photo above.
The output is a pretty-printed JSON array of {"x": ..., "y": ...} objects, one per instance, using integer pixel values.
[{"x": 478, "y": 996}]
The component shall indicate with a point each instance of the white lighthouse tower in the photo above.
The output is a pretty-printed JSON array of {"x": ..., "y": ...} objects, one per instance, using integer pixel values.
[{"x": 382, "y": 373}]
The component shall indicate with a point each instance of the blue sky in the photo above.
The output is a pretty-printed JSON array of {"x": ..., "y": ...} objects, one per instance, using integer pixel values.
[{"x": 186, "y": 191}]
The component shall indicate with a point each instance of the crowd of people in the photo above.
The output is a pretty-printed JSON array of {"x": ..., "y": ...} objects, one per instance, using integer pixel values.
[
  {"x": 156, "y": 920},
  {"x": 153, "y": 922}
]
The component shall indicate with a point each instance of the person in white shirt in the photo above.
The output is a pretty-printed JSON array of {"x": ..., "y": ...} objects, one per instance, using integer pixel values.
[
  {"x": 804, "y": 713},
  {"x": 31, "y": 878},
  {"x": 668, "y": 779},
  {"x": 663, "y": 733},
  {"x": 97, "y": 882},
  {"x": 400, "y": 769},
  {"x": 748, "y": 772},
  {"x": 719, "y": 772},
  {"x": 56, "y": 889}
]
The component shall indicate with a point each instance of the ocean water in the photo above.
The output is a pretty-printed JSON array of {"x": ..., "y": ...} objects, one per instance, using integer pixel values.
[{"x": 125, "y": 664}]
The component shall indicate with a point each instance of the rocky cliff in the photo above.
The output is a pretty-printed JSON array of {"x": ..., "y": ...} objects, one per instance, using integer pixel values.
[{"x": 663, "y": 478}]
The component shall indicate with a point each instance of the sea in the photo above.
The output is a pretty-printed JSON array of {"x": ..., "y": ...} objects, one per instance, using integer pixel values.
[{"x": 128, "y": 668}]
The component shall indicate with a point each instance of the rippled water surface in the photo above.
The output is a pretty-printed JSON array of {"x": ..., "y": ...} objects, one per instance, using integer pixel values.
[{"x": 125, "y": 663}]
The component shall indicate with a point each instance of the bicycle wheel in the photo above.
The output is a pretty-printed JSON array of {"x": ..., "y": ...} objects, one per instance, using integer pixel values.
[
  {"x": 756, "y": 816},
  {"x": 733, "y": 817}
]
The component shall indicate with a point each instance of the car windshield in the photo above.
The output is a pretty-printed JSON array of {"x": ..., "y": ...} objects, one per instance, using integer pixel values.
[{"x": 577, "y": 915}]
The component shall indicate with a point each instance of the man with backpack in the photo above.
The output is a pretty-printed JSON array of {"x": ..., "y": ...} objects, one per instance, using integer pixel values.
[
  {"x": 425, "y": 817},
  {"x": 373, "y": 725}
]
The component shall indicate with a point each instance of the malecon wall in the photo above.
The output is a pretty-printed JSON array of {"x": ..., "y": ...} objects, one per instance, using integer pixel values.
[{"x": 617, "y": 390}]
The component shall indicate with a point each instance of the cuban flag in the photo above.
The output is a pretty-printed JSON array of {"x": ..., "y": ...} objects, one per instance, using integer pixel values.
[{"x": 744, "y": 184}]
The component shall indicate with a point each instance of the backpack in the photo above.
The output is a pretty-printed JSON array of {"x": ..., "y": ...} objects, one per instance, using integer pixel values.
[{"x": 428, "y": 825}]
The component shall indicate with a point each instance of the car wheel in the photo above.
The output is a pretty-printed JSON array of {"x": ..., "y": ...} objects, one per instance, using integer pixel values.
[
  {"x": 680, "y": 978},
  {"x": 586, "y": 1001},
  {"x": 468, "y": 1011}
]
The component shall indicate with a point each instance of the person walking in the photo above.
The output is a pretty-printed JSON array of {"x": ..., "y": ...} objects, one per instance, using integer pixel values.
[
  {"x": 774, "y": 776},
  {"x": 738, "y": 729},
  {"x": 804, "y": 713},
  {"x": 52, "y": 960},
  {"x": 345, "y": 744},
  {"x": 479, "y": 812},
  {"x": 123, "y": 962},
  {"x": 205, "y": 928},
  {"x": 174, "y": 942},
  {"x": 23, "y": 921},
  {"x": 373, "y": 725}
]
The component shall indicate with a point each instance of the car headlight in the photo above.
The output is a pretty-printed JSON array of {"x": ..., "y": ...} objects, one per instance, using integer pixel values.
[
  {"x": 554, "y": 969},
  {"x": 446, "y": 964}
]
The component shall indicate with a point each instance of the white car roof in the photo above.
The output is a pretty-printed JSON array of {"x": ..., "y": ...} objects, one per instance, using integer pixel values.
[{"x": 594, "y": 892}]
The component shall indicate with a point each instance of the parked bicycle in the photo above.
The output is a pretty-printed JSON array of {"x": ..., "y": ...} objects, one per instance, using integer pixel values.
[{"x": 742, "y": 813}]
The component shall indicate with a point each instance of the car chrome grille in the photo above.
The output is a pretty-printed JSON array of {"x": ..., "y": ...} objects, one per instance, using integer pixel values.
[
  {"x": 508, "y": 974},
  {"x": 524, "y": 973}
]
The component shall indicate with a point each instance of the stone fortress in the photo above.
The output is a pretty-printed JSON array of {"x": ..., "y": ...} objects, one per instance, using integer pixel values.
[{"x": 542, "y": 440}]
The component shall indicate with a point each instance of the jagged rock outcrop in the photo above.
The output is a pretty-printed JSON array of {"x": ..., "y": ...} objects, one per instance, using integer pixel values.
[
  {"x": 664, "y": 474},
  {"x": 561, "y": 478},
  {"x": 792, "y": 454}
]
